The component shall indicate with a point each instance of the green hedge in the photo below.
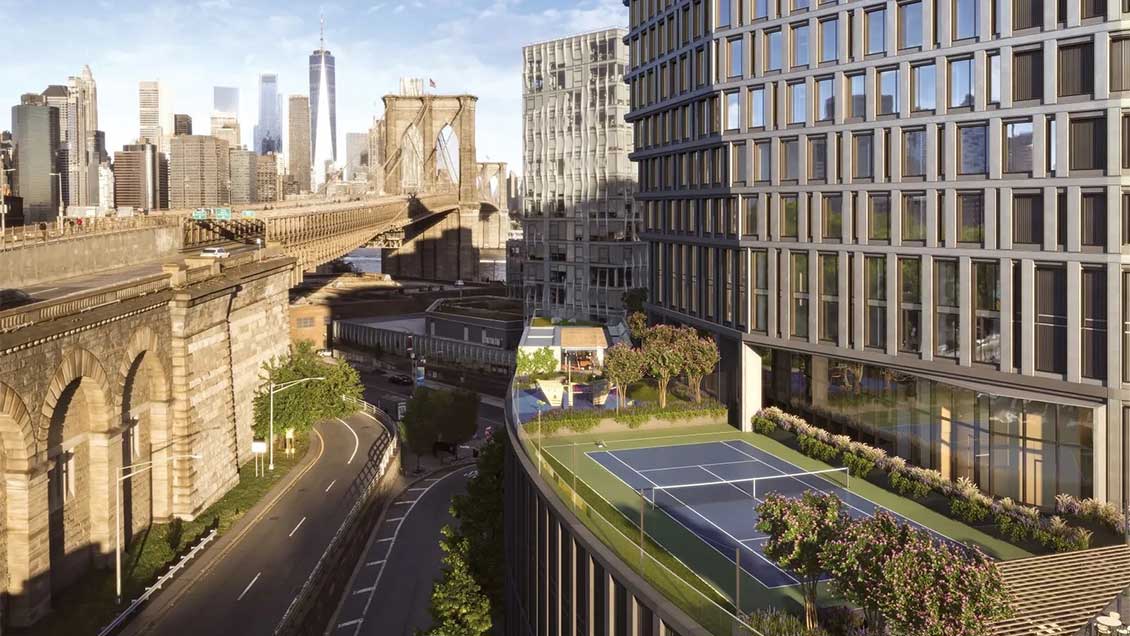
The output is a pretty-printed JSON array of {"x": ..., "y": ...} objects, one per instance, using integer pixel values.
[{"x": 585, "y": 420}]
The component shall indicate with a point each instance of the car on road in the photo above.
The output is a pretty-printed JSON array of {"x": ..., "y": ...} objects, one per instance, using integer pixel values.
[
  {"x": 13, "y": 298},
  {"x": 401, "y": 379},
  {"x": 214, "y": 252}
]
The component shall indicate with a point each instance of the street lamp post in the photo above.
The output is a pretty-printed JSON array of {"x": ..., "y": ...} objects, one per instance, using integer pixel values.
[
  {"x": 134, "y": 470},
  {"x": 271, "y": 417}
]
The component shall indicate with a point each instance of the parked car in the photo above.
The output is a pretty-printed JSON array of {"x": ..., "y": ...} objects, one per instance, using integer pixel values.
[
  {"x": 215, "y": 252},
  {"x": 401, "y": 379}
]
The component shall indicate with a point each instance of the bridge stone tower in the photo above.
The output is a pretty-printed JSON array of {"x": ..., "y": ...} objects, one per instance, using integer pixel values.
[{"x": 413, "y": 124}]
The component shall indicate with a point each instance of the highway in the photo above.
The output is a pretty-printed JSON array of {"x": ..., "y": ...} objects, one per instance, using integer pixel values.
[
  {"x": 378, "y": 387},
  {"x": 244, "y": 583},
  {"x": 392, "y": 585}
]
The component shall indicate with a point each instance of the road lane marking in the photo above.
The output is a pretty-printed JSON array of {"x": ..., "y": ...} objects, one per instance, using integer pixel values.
[
  {"x": 300, "y": 522},
  {"x": 244, "y": 593},
  {"x": 415, "y": 489},
  {"x": 380, "y": 573},
  {"x": 364, "y": 590},
  {"x": 351, "y": 623},
  {"x": 392, "y": 520},
  {"x": 356, "y": 440},
  {"x": 405, "y": 502},
  {"x": 330, "y": 486},
  {"x": 372, "y": 563}
]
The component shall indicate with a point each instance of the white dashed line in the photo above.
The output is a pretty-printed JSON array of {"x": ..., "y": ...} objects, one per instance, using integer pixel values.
[
  {"x": 330, "y": 486},
  {"x": 300, "y": 522},
  {"x": 244, "y": 592},
  {"x": 406, "y": 501},
  {"x": 385, "y": 539},
  {"x": 351, "y": 623},
  {"x": 372, "y": 563},
  {"x": 394, "y": 520},
  {"x": 364, "y": 590}
]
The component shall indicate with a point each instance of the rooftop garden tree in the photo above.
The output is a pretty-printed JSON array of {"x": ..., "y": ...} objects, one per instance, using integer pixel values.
[
  {"x": 701, "y": 357},
  {"x": 300, "y": 406},
  {"x": 623, "y": 365},
  {"x": 540, "y": 361},
  {"x": 637, "y": 326},
  {"x": 663, "y": 356},
  {"x": 634, "y": 299},
  {"x": 798, "y": 529},
  {"x": 857, "y": 560}
]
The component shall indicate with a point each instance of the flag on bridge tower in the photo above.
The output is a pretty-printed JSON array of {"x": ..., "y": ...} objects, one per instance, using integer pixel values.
[{"x": 431, "y": 82}]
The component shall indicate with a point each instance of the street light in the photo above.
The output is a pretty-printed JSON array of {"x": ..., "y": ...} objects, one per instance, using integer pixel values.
[
  {"x": 118, "y": 513},
  {"x": 59, "y": 221},
  {"x": 276, "y": 389}
]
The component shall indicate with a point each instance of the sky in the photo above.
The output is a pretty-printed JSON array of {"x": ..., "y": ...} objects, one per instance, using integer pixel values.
[{"x": 464, "y": 46}]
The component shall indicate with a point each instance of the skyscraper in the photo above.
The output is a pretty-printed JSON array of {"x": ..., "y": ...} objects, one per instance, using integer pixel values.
[
  {"x": 580, "y": 222},
  {"x": 82, "y": 140},
  {"x": 357, "y": 156},
  {"x": 270, "y": 115},
  {"x": 225, "y": 126},
  {"x": 154, "y": 115},
  {"x": 59, "y": 97},
  {"x": 299, "y": 141},
  {"x": 268, "y": 181},
  {"x": 137, "y": 177},
  {"x": 225, "y": 99},
  {"x": 244, "y": 176},
  {"x": 35, "y": 131},
  {"x": 182, "y": 125},
  {"x": 199, "y": 172},
  {"x": 323, "y": 106}
]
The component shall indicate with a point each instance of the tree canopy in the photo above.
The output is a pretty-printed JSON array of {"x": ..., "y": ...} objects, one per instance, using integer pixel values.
[
  {"x": 458, "y": 605},
  {"x": 541, "y": 361},
  {"x": 664, "y": 357},
  {"x": 700, "y": 358},
  {"x": 480, "y": 518},
  {"x": 623, "y": 365},
  {"x": 300, "y": 406}
]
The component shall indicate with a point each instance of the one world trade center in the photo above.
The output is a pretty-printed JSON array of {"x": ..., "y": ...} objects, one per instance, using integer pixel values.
[{"x": 323, "y": 108}]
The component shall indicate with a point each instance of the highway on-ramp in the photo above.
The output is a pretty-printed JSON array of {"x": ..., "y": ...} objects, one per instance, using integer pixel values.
[{"x": 244, "y": 583}]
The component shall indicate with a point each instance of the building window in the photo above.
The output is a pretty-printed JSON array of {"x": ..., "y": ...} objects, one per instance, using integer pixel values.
[
  {"x": 879, "y": 217},
  {"x": 1028, "y": 218},
  {"x": 818, "y": 158},
  {"x": 736, "y": 57},
  {"x": 757, "y": 107},
  {"x": 1027, "y": 14},
  {"x": 914, "y": 153},
  {"x": 923, "y": 87},
  {"x": 760, "y": 8},
  {"x": 994, "y": 78},
  {"x": 965, "y": 19},
  {"x": 970, "y": 217},
  {"x": 800, "y": 44},
  {"x": 1051, "y": 319},
  {"x": 829, "y": 297},
  {"x": 910, "y": 305},
  {"x": 961, "y": 83},
  {"x": 833, "y": 218},
  {"x": 888, "y": 91},
  {"x": 1094, "y": 324},
  {"x": 858, "y": 95},
  {"x": 304, "y": 323},
  {"x": 723, "y": 13},
  {"x": 1120, "y": 64},
  {"x": 789, "y": 214},
  {"x": 773, "y": 53},
  {"x": 1028, "y": 75},
  {"x": 737, "y": 163},
  {"x": 829, "y": 43},
  {"x": 863, "y": 157},
  {"x": 947, "y": 342},
  {"x": 986, "y": 312},
  {"x": 875, "y": 270},
  {"x": 876, "y": 25},
  {"x": 1088, "y": 143},
  {"x": 764, "y": 155},
  {"x": 910, "y": 25},
  {"x": 1018, "y": 146},
  {"x": 973, "y": 149},
  {"x": 733, "y": 110},
  {"x": 790, "y": 159},
  {"x": 799, "y": 317},
  {"x": 761, "y": 291},
  {"x": 798, "y": 99},
  {"x": 914, "y": 217},
  {"x": 1050, "y": 144},
  {"x": 825, "y": 99},
  {"x": 1076, "y": 69},
  {"x": 1093, "y": 219},
  {"x": 1095, "y": 8}
]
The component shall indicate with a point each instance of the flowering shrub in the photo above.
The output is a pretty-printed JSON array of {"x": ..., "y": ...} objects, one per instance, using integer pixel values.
[
  {"x": 763, "y": 425},
  {"x": 858, "y": 466},
  {"x": 1018, "y": 522}
]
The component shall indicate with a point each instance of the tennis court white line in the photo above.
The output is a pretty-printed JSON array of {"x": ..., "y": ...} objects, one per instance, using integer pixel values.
[
  {"x": 691, "y": 508},
  {"x": 653, "y": 470},
  {"x": 878, "y": 506},
  {"x": 645, "y": 439}
]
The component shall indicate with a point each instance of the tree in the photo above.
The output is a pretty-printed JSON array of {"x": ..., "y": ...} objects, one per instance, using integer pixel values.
[
  {"x": 623, "y": 365},
  {"x": 479, "y": 513},
  {"x": 457, "y": 415},
  {"x": 858, "y": 558},
  {"x": 458, "y": 607},
  {"x": 634, "y": 299},
  {"x": 418, "y": 429},
  {"x": 541, "y": 361},
  {"x": 663, "y": 357},
  {"x": 300, "y": 406},
  {"x": 701, "y": 357},
  {"x": 938, "y": 589},
  {"x": 798, "y": 530},
  {"x": 637, "y": 326}
]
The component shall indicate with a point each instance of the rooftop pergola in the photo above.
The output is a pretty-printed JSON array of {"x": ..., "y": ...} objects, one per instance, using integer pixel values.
[{"x": 1055, "y": 595}]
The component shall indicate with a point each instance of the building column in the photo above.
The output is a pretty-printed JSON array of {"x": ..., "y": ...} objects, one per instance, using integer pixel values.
[
  {"x": 750, "y": 399},
  {"x": 28, "y": 546},
  {"x": 105, "y": 468}
]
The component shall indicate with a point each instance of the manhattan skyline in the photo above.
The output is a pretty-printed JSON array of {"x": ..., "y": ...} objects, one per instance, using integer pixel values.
[{"x": 466, "y": 48}]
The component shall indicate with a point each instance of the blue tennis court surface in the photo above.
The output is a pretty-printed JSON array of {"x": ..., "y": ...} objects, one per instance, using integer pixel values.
[{"x": 723, "y": 514}]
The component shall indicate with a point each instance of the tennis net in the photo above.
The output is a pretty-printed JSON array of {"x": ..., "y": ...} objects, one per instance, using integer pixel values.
[{"x": 752, "y": 489}]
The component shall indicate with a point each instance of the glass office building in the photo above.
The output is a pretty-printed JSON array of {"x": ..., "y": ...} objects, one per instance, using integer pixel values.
[{"x": 910, "y": 214}]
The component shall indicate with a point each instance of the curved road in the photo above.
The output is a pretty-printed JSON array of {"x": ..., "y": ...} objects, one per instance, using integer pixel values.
[
  {"x": 246, "y": 581},
  {"x": 392, "y": 585}
]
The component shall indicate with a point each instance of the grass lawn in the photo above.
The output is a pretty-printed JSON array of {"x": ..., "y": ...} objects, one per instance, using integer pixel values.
[
  {"x": 606, "y": 494},
  {"x": 88, "y": 605}
]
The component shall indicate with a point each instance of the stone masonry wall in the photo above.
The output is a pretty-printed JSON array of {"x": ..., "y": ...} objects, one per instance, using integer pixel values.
[{"x": 80, "y": 255}]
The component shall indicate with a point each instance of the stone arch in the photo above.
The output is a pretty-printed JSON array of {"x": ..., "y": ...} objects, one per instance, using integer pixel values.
[
  {"x": 412, "y": 160},
  {"x": 144, "y": 412},
  {"x": 447, "y": 156},
  {"x": 16, "y": 459},
  {"x": 83, "y": 460}
]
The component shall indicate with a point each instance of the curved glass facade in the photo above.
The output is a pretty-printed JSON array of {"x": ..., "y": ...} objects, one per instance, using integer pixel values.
[{"x": 1028, "y": 450}]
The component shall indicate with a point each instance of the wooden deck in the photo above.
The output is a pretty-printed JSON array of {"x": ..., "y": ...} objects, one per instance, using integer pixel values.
[{"x": 1055, "y": 595}]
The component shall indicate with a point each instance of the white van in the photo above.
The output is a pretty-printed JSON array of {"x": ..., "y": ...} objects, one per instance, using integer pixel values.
[{"x": 215, "y": 252}]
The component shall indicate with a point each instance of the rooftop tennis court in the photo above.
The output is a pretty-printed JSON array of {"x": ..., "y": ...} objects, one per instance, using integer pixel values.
[{"x": 712, "y": 489}]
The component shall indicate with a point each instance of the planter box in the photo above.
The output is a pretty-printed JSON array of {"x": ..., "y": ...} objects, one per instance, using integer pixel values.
[{"x": 553, "y": 391}]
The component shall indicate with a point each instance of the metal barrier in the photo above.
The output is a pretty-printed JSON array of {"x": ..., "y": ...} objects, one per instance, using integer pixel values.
[{"x": 137, "y": 602}]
